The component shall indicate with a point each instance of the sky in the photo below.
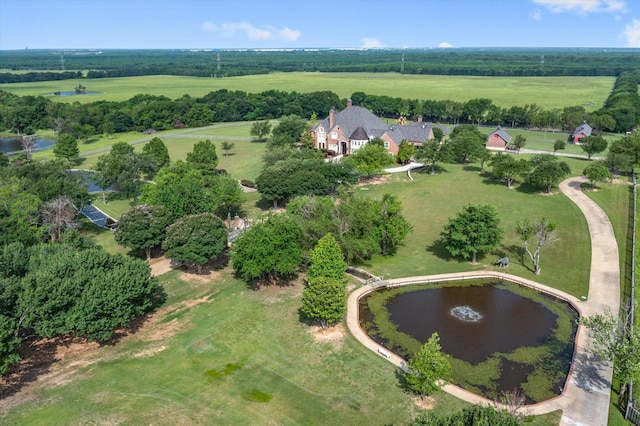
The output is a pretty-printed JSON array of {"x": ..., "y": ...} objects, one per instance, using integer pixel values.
[{"x": 255, "y": 24}]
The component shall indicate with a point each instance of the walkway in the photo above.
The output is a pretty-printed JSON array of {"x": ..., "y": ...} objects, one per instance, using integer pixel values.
[{"x": 585, "y": 400}]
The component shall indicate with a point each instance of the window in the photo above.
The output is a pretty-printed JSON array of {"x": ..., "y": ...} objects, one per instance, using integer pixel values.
[
  {"x": 386, "y": 145},
  {"x": 334, "y": 135}
]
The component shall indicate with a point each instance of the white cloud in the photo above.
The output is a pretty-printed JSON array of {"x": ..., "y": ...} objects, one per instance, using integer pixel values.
[
  {"x": 444, "y": 44},
  {"x": 289, "y": 34},
  {"x": 632, "y": 33},
  {"x": 370, "y": 43},
  {"x": 583, "y": 6},
  {"x": 536, "y": 14},
  {"x": 229, "y": 29}
]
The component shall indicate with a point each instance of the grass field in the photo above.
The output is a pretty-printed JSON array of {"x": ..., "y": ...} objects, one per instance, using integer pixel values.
[{"x": 546, "y": 92}]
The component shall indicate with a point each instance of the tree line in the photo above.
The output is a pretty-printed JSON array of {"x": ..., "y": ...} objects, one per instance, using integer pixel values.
[
  {"x": 26, "y": 115},
  {"x": 485, "y": 62}
]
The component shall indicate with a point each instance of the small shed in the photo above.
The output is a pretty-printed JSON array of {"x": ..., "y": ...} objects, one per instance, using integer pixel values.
[
  {"x": 582, "y": 131},
  {"x": 498, "y": 140}
]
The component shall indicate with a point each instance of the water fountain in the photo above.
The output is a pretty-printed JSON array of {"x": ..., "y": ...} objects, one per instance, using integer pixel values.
[{"x": 466, "y": 314}]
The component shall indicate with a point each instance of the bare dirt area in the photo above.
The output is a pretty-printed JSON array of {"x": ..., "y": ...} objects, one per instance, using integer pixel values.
[
  {"x": 426, "y": 403},
  {"x": 48, "y": 363},
  {"x": 333, "y": 335},
  {"x": 374, "y": 180}
]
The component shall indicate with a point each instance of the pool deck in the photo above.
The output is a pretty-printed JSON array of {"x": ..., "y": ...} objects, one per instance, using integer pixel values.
[{"x": 585, "y": 399}]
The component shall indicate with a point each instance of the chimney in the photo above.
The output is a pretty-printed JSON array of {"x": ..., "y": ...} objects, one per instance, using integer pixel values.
[
  {"x": 332, "y": 118},
  {"x": 419, "y": 119},
  {"x": 349, "y": 102}
]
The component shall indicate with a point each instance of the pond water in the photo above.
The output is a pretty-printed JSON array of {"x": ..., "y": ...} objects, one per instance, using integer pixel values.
[
  {"x": 73, "y": 93},
  {"x": 14, "y": 144},
  {"x": 482, "y": 326},
  {"x": 92, "y": 186}
]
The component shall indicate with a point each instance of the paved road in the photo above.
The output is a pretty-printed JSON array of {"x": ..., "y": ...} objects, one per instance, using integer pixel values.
[{"x": 585, "y": 400}]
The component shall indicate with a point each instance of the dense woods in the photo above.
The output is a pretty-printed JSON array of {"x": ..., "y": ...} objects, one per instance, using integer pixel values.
[
  {"x": 26, "y": 115},
  {"x": 226, "y": 63}
]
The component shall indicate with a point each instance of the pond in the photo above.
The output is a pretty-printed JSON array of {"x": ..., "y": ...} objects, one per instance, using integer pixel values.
[
  {"x": 15, "y": 144},
  {"x": 92, "y": 186},
  {"x": 74, "y": 93},
  {"x": 500, "y": 337}
]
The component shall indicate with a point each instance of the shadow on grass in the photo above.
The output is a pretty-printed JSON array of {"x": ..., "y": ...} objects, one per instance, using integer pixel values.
[
  {"x": 438, "y": 249},
  {"x": 518, "y": 251}
]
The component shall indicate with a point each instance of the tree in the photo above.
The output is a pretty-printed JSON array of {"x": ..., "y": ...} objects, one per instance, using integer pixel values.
[
  {"x": 18, "y": 213},
  {"x": 327, "y": 260},
  {"x": 125, "y": 167},
  {"x": 470, "y": 416},
  {"x": 306, "y": 140},
  {"x": 617, "y": 163},
  {"x": 269, "y": 250},
  {"x": 428, "y": 369},
  {"x": 325, "y": 300},
  {"x": 596, "y": 172},
  {"x": 288, "y": 131},
  {"x": 548, "y": 173},
  {"x": 227, "y": 146},
  {"x": 475, "y": 229},
  {"x": 391, "y": 228},
  {"x": 405, "y": 152},
  {"x": 143, "y": 227},
  {"x": 466, "y": 142},
  {"x": 28, "y": 145},
  {"x": 432, "y": 152},
  {"x": 66, "y": 147},
  {"x": 204, "y": 158},
  {"x": 593, "y": 145},
  {"x": 181, "y": 190},
  {"x": 558, "y": 145},
  {"x": 58, "y": 215},
  {"x": 371, "y": 159},
  {"x": 260, "y": 129},
  {"x": 613, "y": 343},
  {"x": 483, "y": 156},
  {"x": 227, "y": 196},
  {"x": 158, "y": 152},
  {"x": 543, "y": 234},
  {"x": 195, "y": 239},
  {"x": 506, "y": 167},
  {"x": 519, "y": 142}
]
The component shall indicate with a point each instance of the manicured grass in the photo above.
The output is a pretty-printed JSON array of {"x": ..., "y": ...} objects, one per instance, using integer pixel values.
[
  {"x": 546, "y": 92},
  {"x": 430, "y": 200},
  {"x": 242, "y": 357}
]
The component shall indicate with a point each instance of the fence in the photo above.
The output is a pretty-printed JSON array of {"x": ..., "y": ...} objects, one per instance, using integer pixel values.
[{"x": 632, "y": 414}]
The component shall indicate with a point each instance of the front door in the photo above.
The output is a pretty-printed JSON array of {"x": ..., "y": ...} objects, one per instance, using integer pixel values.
[{"x": 343, "y": 146}]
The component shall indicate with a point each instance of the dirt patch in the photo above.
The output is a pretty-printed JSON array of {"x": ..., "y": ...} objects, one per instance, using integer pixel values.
[
  {"x": 374, "y": 180},
  {"x": 333, "y": 335},
  {"x": 426, "y": 403}
]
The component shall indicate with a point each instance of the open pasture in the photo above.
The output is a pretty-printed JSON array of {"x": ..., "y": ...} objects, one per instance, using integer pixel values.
[{"x": 547, "y": 92}]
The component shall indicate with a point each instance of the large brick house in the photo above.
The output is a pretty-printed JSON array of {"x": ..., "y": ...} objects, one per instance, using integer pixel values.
[{"x": 346, "y": 131}]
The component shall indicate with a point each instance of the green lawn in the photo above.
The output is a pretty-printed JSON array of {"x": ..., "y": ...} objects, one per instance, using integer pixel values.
[{"x": 546, "y": 92}]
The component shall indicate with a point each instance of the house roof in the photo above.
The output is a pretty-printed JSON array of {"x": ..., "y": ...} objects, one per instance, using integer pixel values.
[
  {"x": 500, "y": 132},
  {"x": 353, "y": 118},
  {"x": 359, "y": 134},
  {"x": 584, "y": 129}
]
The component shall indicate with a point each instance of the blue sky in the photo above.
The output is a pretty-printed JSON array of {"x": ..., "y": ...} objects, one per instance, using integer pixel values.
[{"x": 218, "y": 24}]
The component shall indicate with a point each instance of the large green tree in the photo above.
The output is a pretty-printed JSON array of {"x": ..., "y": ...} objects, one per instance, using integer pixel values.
[
  {"x": 158, "y": 152},
  {"x": 548, "y": 172},
  {"x": 593, "y": 145},
  {"x": 327, "y": 259},
  {"x": 270, "y": 250},
  {"x": 371, "y": 159},
  {"x": 324, "y": 300},
  {"x": 405, "y": 152},
  {"x": 466, "y": 143},
  {"x": 596, "y": 172},
  {"x": 143, "y": 227},
  {"x": 428, "y": 369},
  {"x": 433, "y": 152},
  {"x": 195, "y": 239},
  {"x": 475, "y": 229},
  {"x": 506, "y": 167},
  {"x": 204, "y": 158},
  {"x": 288, "y": 131},
  {"x": 391, "y": 227},
  {"x": 260, "y": 129},
  {"x": 66, "y": 147}
]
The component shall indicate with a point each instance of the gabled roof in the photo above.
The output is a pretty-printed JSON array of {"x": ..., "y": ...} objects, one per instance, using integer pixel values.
[
  {"x": 359, "y": 135},
  {"x": 584, "y": 128},
  {"x": 353, "y": 118},
  {"x": 501, "y": 133}
]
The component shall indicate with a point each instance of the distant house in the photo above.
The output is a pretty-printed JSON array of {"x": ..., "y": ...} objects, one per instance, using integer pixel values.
[
  {"x": 346, "y": 131},
  {"x": 582, "y": 131},
  {"x": 498, "y": 140}
]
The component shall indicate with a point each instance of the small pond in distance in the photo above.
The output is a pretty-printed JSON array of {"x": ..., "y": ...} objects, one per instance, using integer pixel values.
[
  {"x": 15, "y": 144},
  {"x": 500, "y": 336}
]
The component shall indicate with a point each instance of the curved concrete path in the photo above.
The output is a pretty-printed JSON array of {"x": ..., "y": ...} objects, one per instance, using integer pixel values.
[{"x": 585, "y": 399}]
